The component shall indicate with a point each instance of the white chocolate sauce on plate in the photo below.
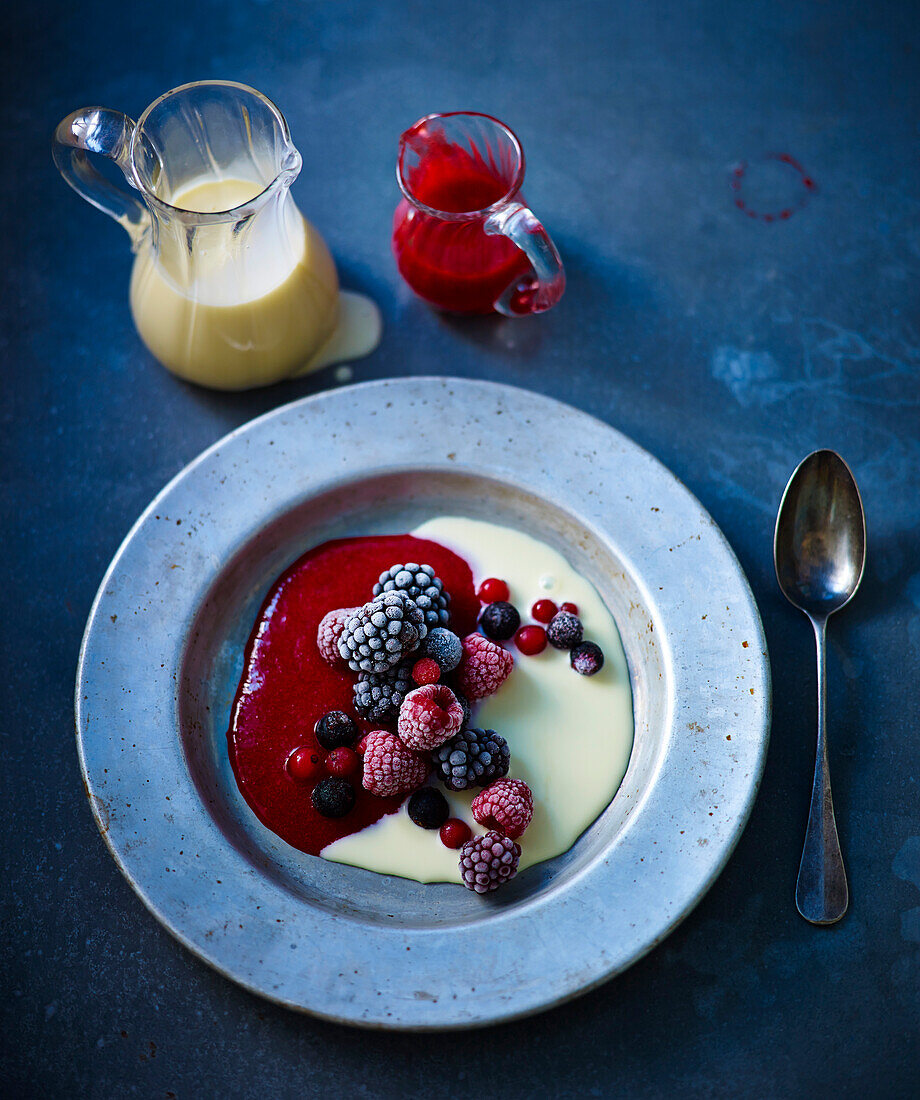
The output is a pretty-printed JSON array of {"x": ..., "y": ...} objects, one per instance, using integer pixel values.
[{"x": 570, "y": 736}]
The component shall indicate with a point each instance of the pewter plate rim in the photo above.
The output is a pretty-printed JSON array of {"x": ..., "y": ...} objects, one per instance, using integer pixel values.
[{"x": 583, "y": 938}]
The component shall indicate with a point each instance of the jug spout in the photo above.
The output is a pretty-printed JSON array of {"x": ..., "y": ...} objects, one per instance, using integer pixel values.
[{"x": 291, "y": 164}]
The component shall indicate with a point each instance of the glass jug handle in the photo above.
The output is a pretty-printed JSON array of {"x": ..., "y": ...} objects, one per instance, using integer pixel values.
[
  {"x": 100, "y": 130},
  {"x": 543, "y": 288}
]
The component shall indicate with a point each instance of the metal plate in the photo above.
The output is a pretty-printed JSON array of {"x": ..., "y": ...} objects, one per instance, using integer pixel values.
[{"x": 163, "y": 651}]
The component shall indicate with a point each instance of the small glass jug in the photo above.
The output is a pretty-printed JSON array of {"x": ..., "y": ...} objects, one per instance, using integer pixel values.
[
  {"x": 463, "y": 237},
  {"x": 231, "y": 286}
]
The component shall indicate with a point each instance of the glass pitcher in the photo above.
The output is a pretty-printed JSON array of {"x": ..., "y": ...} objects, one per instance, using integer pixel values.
[
  {"x": 231, "y": 286},
  {"x": 463, "y": 238}
]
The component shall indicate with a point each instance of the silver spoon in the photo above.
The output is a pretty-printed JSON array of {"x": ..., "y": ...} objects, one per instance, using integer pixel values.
[{"x": 819, "y": 550}]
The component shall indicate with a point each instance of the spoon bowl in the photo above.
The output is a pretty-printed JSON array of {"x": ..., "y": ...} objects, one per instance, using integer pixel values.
[
  {"x": 819, "y": 550},
  {"x": 820, "y": 542}
]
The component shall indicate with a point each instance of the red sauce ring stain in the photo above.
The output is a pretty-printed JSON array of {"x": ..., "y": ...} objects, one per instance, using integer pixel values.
[{"x": 804, "y": 186}]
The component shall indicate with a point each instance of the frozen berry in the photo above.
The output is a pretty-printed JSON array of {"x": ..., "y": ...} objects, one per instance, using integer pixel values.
[
  {"x": 587, "y": 658},
  {"x": 304, "y": 764},
  {"x": 500, "y": 620},
  {"x": 484, "y": 667},
  {"x": 342, "y": 761},
  {"x": 379, "y": 695},
  {"x": 543, "y": 610},
  {"x": 572, "y": 608},
  {"x": 531, "y": 640},
  {"x": 455, "y": 832},
  {"x": 428, "y": 808},
  {"x": 428, "y": 717},
  {"x": 421, "y": 585},
  {"x": 381, "y": 633},
  {"x": 333, "y": 797},
  {"x": 506, "y": 805},
  {"x": 493, "y": 589},
  {"x": 329, "y": 632},
  {"x": 389, "y": 767},
  {"x": 565, "y": 630},
  {"x": 336, "y": 729},
  {"x": 426, "y": 671},
  {"x": 443, "y": 646},
  {"x": 472, "y": 759},
  {"x": 487, "y": 862}
]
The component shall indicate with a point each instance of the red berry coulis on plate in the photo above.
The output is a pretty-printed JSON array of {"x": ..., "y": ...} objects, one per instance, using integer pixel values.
[{"x": 286, "y": 686}]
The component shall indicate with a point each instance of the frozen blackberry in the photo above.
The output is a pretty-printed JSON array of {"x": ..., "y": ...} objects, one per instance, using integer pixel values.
[
  {"x": 428, "y": 808},
  {"x": 565, "y": 630},
  {"x": 443, "y": 646},
  {"x": 335, "y": 730},
  {"x": 500, "y": 620},
  {"x": 471, "y": 758},
  {"x": 420, "y": 584},
  {"x": 379, "y": 695},
  {"x": 381, "y": 633},
  {"x": 333, "y": 797}
]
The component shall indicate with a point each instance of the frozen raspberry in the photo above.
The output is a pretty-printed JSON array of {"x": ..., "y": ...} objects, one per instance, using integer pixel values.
[
  {"x": 486, "y": 862},
  {"x": 483, "y": 668},
  {"x": 329, "y": 632},
  {"x": 455, "y": 833},
  {"x": 507, "y": 806},
  {"x": 492, "y": 589},
  {"x": 389, "y": 767},
  {"x": 428, "y": 717},
  {"x": 426, "y": 671},
  {"x": 531, "y": 640}
]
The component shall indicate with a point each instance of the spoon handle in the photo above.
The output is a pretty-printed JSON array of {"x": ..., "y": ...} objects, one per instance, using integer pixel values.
[{"x": 821, "y": 894}]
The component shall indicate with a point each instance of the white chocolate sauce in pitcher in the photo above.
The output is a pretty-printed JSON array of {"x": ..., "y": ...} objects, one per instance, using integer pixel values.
[
  {"x": 232, "y": 314},
  {"x": 231, "y": 286}
]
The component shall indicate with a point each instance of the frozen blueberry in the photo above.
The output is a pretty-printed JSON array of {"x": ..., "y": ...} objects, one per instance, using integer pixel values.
[
  {"x": 587, "y": 658},
  {"x": 333, "y": 797},
  {"x": 336, "y": 730},
  {"x": 443, "y": 646},
  {"x": 500, "y": 620},
  {"x": 428, "y": 808},
  {"x": 565, "y": 630}
]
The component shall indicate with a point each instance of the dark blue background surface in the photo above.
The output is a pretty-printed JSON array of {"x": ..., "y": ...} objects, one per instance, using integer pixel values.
[{"x": 727, "y": 346}]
